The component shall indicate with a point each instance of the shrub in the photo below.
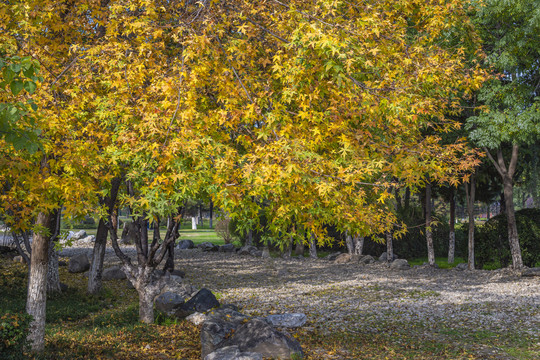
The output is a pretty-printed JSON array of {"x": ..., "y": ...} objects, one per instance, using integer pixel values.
[
  {"x": 13, "y": 332},
  {"x": 491, "y": 240},
  {"x": 223, "y": 230}
]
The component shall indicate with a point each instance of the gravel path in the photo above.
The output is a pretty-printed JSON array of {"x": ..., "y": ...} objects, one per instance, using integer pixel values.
[{"x": 369, "y": 298}]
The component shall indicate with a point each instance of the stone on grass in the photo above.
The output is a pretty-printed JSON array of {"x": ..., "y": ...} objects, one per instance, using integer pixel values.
[
  {"x": 250, "y": 250},
  {"x": 207, "y": 246},
  {"x": 203, "y": 301},
  {"x": 332, "y": 257},
  {"x": 461, "y": 266},
  {"x": 19, "y": 259},
  {"x": 400, "y": 264},
  {"x": 258, "y": 336},
  {"x": 342, "y": 259},
  {"x": 529, "y": 272},
  {"x": 168, "y": 302},
  {"x": 113, "y": 273},
  {"x": 232, "y": 353},
  {"x": 77, "y": 235},
  {"x": 185, "y": 244},
  {"x": 227, "y": 248},
  {"x": 88, "y": 239},
  {"x": 292, "y": 320},
  {"x": 78, "y": 263}
]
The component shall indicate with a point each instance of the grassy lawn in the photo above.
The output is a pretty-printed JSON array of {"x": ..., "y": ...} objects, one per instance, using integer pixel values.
[{"x": 442, "y": 262}]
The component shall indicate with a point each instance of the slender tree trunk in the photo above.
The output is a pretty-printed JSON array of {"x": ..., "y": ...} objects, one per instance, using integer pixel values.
[
  {"x": 429, "y": 235},
  {"x": 389, "y": 247},
  {"x": 358, "y": 244},
  {"x": 37, "y": 285},
  {"x": 513, "y": 238},
  {"x": 350, "y": 244},
  {"x": 53, "y": 276},
  {"x": 470, "y": 190},
  {"x": 288, "y": 251},
  {"x": 200, "y": 219},
  {"x": 210, "y": 221},
  {"x": 452, "y": 232},
  {"x": 313, "y": 247},
  {"x": 249, "y": 238},
  {"x": 98, "y": 254}
]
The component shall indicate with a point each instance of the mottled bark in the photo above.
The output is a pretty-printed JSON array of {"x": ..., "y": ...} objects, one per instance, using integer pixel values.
[
  {"x": 313, "y": 247},
  {"x": 53, "y": 276},
  {"x": 429, "y": 235},
  {"x": 389, "y": 246},
  {"x": 349, "y": 243},
  {"x": 37, "y": 285},
  {"x": 452, "y": 232},
  {"x": 358, "y": 245}
]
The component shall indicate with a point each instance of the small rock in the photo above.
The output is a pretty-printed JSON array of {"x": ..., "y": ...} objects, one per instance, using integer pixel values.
[
  {"x": 384, "y": 257},
  {"x": 250, "y": 250},
  {"x": 168, "y": 302},
  {"x": 78, "y": 263},
  {"x": 293, "y": 320},
  {"x": 342, "y": 259},
  {"x": 400, "y": 264},
  {"x": 19, "y": 259},
  {"x": 185, "y": 244},
  {"x": 88, "y": 239},
  {"x": 528, "y": 272},
  {"x": 232, "y": 353},
  {"x": 203, "y": 301},
  {"x": 461, "y": 266},
  {"x": 179, "y": 273},
  {"x": 77, "y": 235},
  {"x": 113, "y": 273},
  {"x": 208, "y": 246},
  {"x": 227, "y": 248},
  {"x": 332, "y": 257},
  {"x": 367, "y": 259}
]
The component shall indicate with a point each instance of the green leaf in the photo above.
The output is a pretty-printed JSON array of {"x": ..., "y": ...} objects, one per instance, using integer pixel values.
[
  {"x": 8, "y": 74},
  {"x": 29, "y": 72},
  {"x": 30, "y": 86},
  {"x": 16, "y": 68},
  {"x": 16, "y": 87}
]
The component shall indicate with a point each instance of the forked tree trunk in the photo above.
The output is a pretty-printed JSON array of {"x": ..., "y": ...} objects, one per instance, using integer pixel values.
[
  {"x": 389, "y": 246},
  {"x": 507, "y": 174},
  {"x": 358, "y": 244},
  {"x": 470, "y": 190},
  {"x": 452, "y": 232},
  {"x": 37, "y": 285},
  {"x": 429, "y": 235},
  {"x": 313, "y": 247}
]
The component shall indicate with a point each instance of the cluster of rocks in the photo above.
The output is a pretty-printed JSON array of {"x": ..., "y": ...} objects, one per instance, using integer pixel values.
[
  {"x": 227, "y": 248},
  {"x": 395, "y": 264},
  {"x": 79, "y": 237}
]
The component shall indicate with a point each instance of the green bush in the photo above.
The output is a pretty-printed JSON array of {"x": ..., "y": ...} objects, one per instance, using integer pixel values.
[
  {"x": 13, "y": 332},
  {"x": 492, "y": 249}
]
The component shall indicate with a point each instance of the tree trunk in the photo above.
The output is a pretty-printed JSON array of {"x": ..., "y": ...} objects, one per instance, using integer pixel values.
[
  {"x": 37, "y": 285},
  {"x": 210, "y": 221},
  {"x": 288, "y": 251},
  {"x": 53, "y": 276},
  {"x": 470, "y": 190},
  {"x": 313, "y": 247},
  {"x": 358, "y": 244},
  {"x": 200, "y": 219},
  {"x": 452, "y": 232},
  {"x": 349, "y": 243},
  {"x": 429, "y": 235},
  {"x": 513, "y": 238},
  {"x": 146, "y": 306},
  {"x": 299, "y": 249},
  {"x": 98, "y": 254},
  {"x": 249, "y": 238},
  {"x": 389, "y": 247},
  {"x": 507, "y": 174}
]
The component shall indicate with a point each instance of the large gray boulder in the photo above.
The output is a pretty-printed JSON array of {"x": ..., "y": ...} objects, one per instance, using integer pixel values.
[
  {"x": 185, "y": 244},
  {"x": 366, "y": 259},
  {"x": 201, "y": 302},
  {"x": 78, "y": 264},
  {"x": 78, "y": 235},
  {"x": 87, "y": 239},
  {"x": 232, "y": 353},
  {"x": 219, "y": 324},
  {"x": 168, "y": 302},
  {"x": 293, "y": 320},
  {"x": 400, "y": 264},
  {"x": 260, "y": 337},
  {"x": 113, "y": 273}
]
